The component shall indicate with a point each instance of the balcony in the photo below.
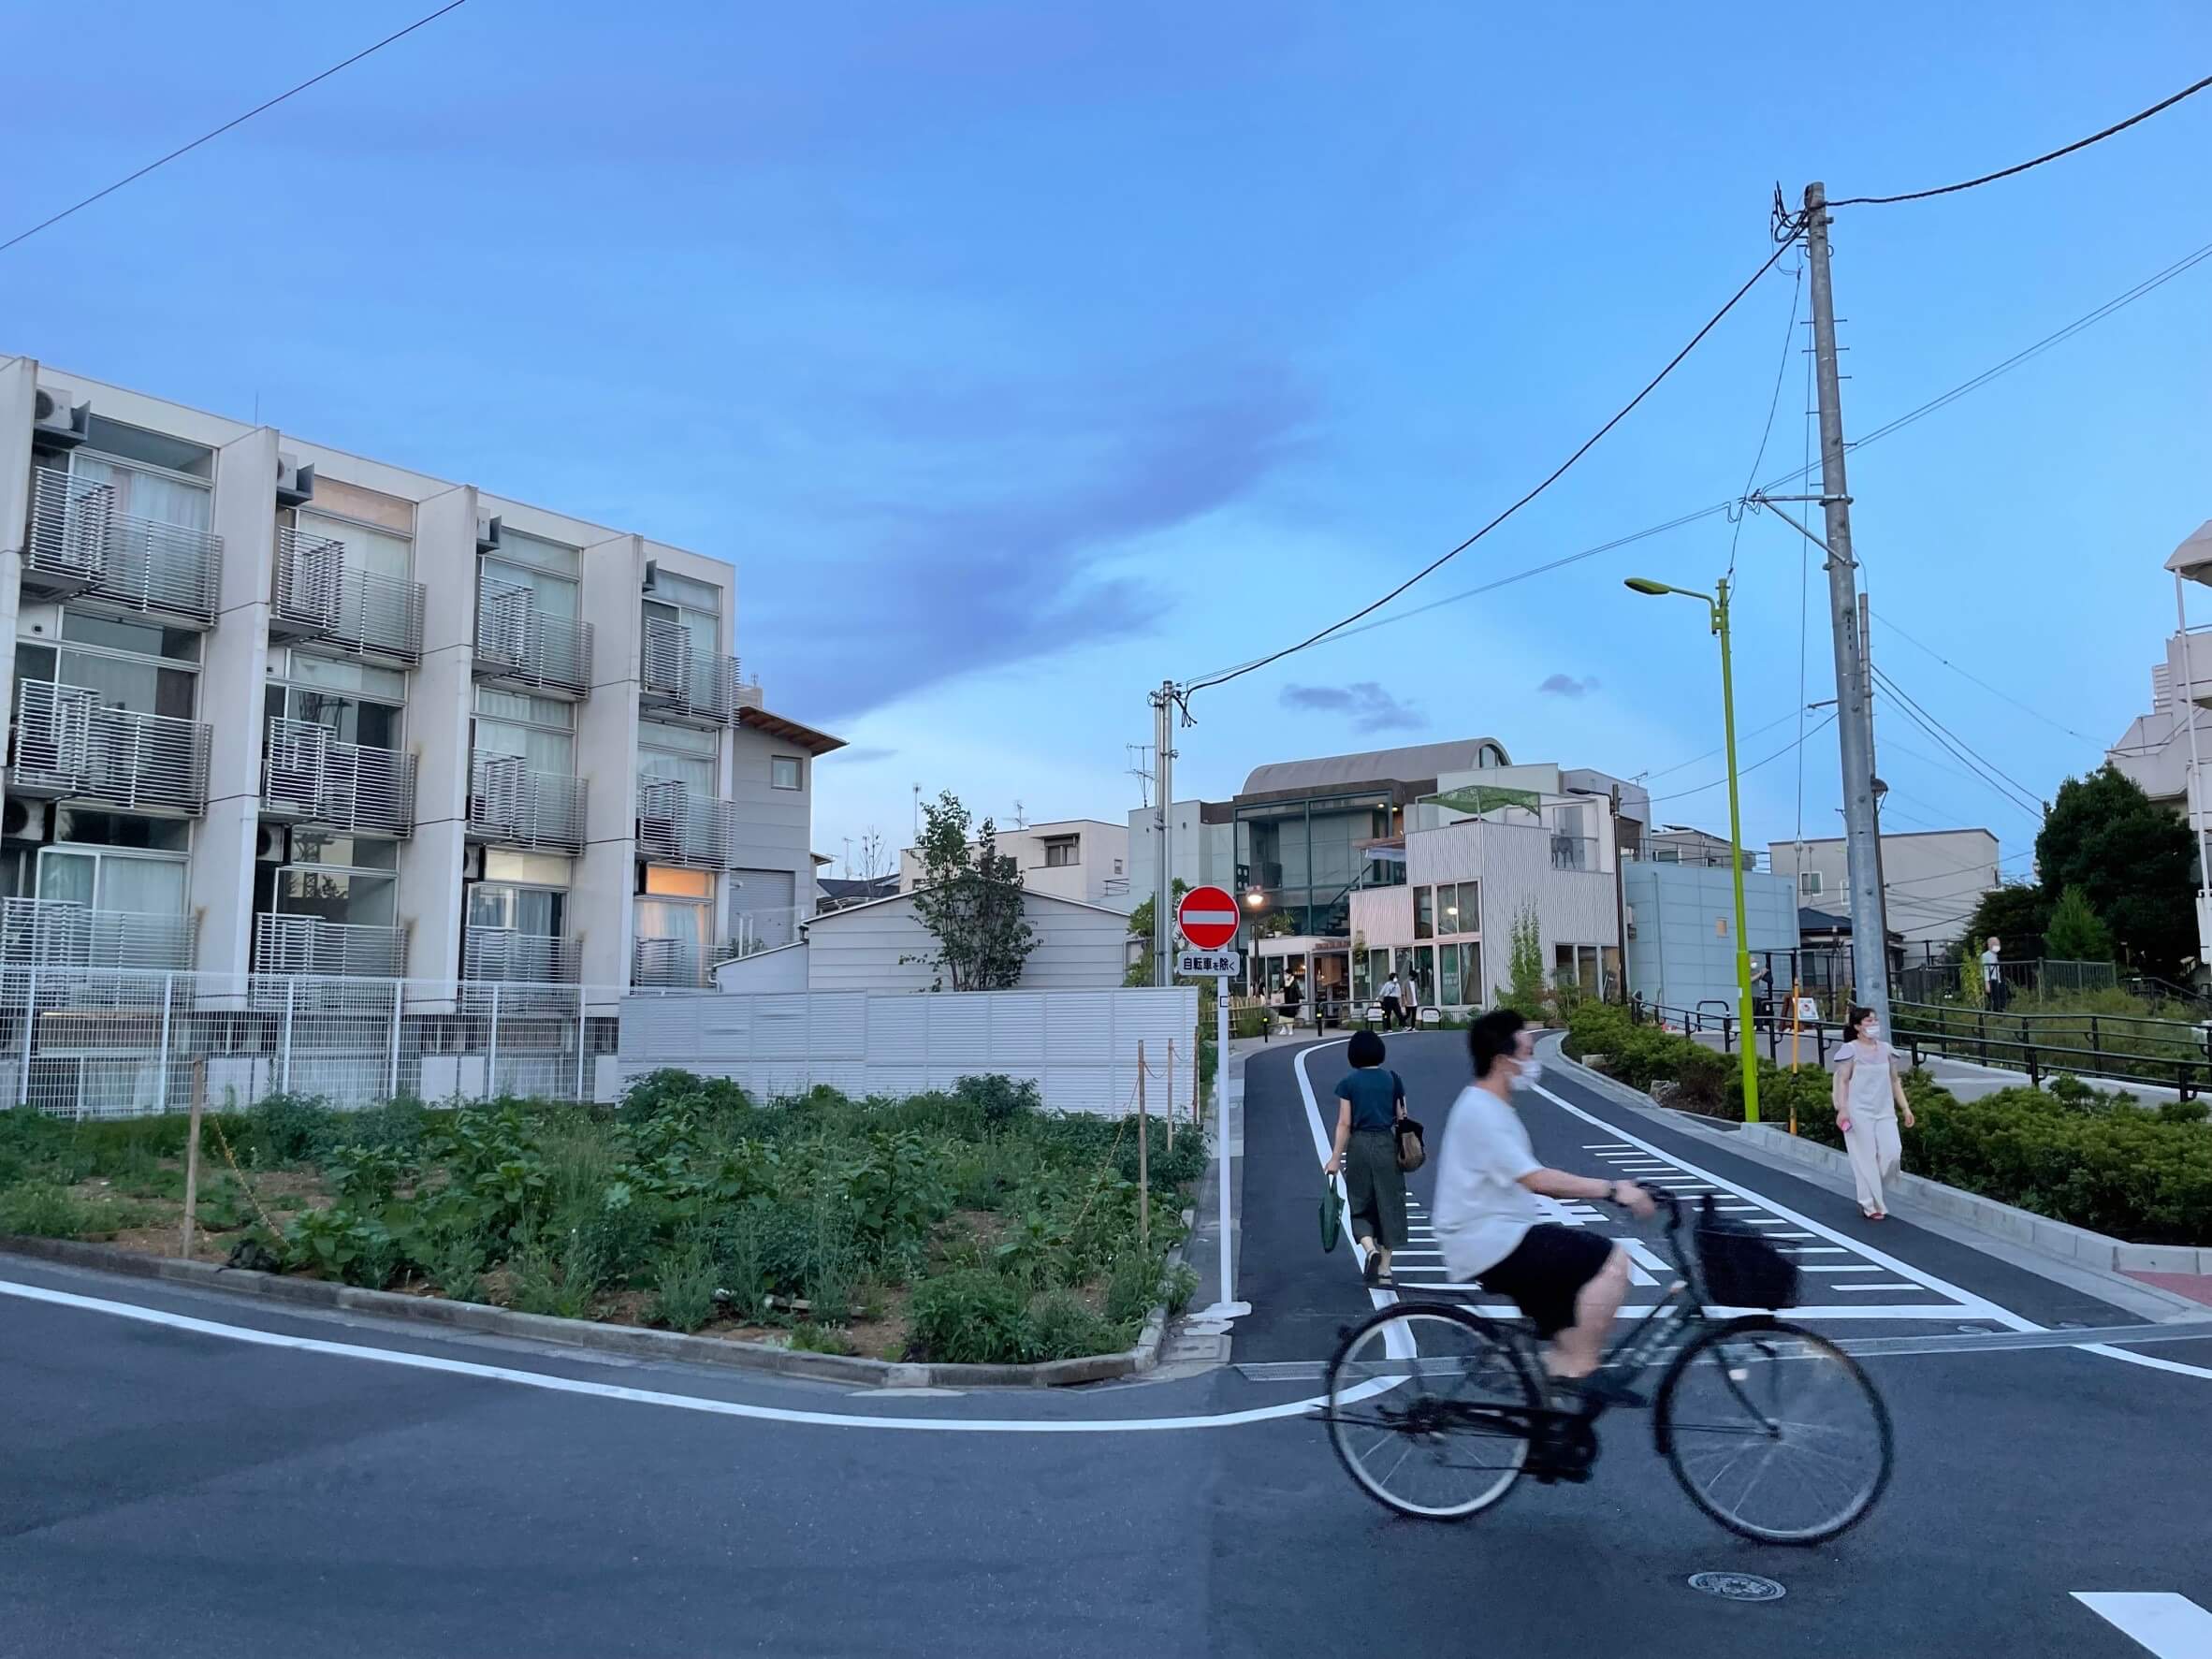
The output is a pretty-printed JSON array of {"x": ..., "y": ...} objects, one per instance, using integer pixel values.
[
  {"x": 519, "y": 645},
  {"x": 56, "y": 933},
  {"x": 2189, "y": 666},
  {"x": 318, "y": 596},
  {"x": 514, "y": 806},
  {"x": 675, "y": 682},
  {"x": 504, "y": 957},
  {"x": 67, "y": 746},
  {"x": 80, "y": 545},
  {"x": 665, "y": 965},
  {"x": 293, "y": 945},
  {"x": 311, "y": 776},
  {"x": 676, "y": 825}
]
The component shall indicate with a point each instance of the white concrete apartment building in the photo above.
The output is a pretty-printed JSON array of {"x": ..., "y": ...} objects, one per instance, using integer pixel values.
[
  {"x": 277, "y": 709},
  {"x": 2166, "y": 752},
  {"x": 1084, "y": 859},
  {"x": 1930, "y": 880}
]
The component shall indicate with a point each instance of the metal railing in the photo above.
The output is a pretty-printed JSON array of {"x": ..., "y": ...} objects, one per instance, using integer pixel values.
[
  {"x": 512, "y": 804},
  {"x": 311, "y": 945},
  {"x": 676, "y": 825},
  {"x": 80, "y": 543},
  {"x": 2172, "y": 1053},
  {"x": 766, "y": 927},
  {"x": 1573, "y": 852},
  {"x": 66, "y": 745},
  {"x": 665, "y": 965},
  {"x": 307, "y": 774},
  {"x": 59, "y": 933},
  {"x": 676, "y": 680},
  {"x": 318, "y": 596},
  {"x": 503, "y": 955},
  {"x": 1698, "y": 857},
  {"x": 517, "y": 643}
]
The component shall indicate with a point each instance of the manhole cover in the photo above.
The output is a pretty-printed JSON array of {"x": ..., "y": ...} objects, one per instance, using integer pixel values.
[{"x": 1738, "y": 1586}]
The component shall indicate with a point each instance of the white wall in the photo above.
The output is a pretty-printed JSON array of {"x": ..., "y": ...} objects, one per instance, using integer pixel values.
[
  {"x": 1080, "y": 1047},
  {"x": 1684, "y": 948},
  {"x": 766, "y": 971},
  {"x": 1205, "y": 854},
  {"x": 1098, "y": 876},
  {"x": 884, "y": 947},
  {"x": 1931, "y": 882}
]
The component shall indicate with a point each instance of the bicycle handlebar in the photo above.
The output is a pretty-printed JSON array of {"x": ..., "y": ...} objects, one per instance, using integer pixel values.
[{"x": 1668, "y": 1201}]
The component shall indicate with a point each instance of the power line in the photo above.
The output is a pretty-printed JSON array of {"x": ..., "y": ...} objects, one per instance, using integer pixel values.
[
  {"x": 1955, "y": 742},
  {"x": 1754, "y": 731},
  {"x": 1588, "y": 443},
  {"x": 2164, "y": 104},
  {"x": 1891, "y": 745},
  {"x": 1979, "y": 681},
  {"x": 1747, "y": 771},
  {"x": 1789, "y": 336},
  {"x": 237, "y": 121},
  {"x": 1989, "y": 772}
]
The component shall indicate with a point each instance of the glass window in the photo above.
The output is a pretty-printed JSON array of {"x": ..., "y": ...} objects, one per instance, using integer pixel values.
[
  {"x": 1420, "y": 972},
  {"x": 538, "y": 911},
  {"x": 1424, "y": 912},
  {"x": 1808, "y": 883},
  {"x": 517, "y": 547},
  {"x": 377, "y": 551},
  {"x": 682, "y": 739},
  {"x": 345, "y": 851},
  {"x": 1449, "y": 974},
  {"x": 1609, "y": 968},
  {"x": 347, "y": 896},
  {"x": 784, "y": 772},
  {"x": 153, "y": 449},
  {"x": 520, "y": 706},
  {"x": 307, "y": 669},
  {"x": 539, "y": 750},
  {"x": 660, "y": 879},
  {"x": 139, "y": 639},
  {"x": 550, "y": 595},
  {"x": 349, "y": 719},
  {"x": 688, "y": 591},
  {"x": 112, "y": 829}
]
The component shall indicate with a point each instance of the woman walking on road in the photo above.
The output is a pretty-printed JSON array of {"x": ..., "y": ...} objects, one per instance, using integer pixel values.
[
  {"x": 1369, "y": 1102},
  {"x": 1869, "y": 1100}
]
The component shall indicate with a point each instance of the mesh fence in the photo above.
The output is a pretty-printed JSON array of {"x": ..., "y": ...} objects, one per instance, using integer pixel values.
[{"x": 80, "y": 1042}]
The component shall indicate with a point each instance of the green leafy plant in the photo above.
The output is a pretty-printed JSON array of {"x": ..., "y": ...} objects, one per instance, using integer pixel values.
[
  {"x": 970, "y": 902},
  {"x": 684, "y": 1284},
  {"x": 972, "y": 1316},
  {"x": 45, "y": 1210},
  {"x": 809, "y": 1337},
  {"x": 2074, "y": 932},
  {"x": 1062, "y": 1326},
  {"x": 1523, "y": 991},
  {"x": 340, "y": 1244}
]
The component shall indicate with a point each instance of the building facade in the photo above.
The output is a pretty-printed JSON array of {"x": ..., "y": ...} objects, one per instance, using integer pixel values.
[
  {"x": 1930, "y": 880},
  {"x": 279, "y": 710},
  {"x": 1084, "y": 859},
  {"x": 1682, "y": 931}
]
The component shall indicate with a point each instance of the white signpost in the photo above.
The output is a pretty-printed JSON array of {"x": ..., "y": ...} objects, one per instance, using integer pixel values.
[{"x": 1209, "y": 918}]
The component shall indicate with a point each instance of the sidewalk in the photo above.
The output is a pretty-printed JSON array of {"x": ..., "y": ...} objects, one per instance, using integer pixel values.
[{"x": 1966, "y": 1079}]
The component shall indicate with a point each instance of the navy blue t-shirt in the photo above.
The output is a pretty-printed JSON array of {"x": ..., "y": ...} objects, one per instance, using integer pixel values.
[{"x": 1373, "y": 1093}]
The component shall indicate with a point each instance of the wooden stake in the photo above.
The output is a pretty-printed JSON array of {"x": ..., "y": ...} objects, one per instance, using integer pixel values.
[
  {"x": 1170, "y": 1093},
  {"x": 191, "y": 1173},
  {"x": 1143, "y": 1166},
  {"x": 1198, "y": 1083}
]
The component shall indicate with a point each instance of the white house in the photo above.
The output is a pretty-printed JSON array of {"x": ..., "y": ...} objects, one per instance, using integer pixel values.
[
  {"x": 1930, "y": 880},
  {"x": 883, "y": 946},
  {"x": 1085, "y": 859}
]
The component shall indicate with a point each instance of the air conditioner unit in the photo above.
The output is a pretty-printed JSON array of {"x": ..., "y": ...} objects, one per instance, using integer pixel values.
[
  {"x": 23, "y": 821},
  {"x": 296, "y": 481},
  {"x": 488, "y": 532},
  {"x": 273, "y": 845},
  {"x": 55, "y": 423}
]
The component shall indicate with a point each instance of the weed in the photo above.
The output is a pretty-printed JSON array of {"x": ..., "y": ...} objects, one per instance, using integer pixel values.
[
  {"x": 43, "y": 1210},
  {"x": 970, "y": 1316},
  {"x": 285, "y": 1128},
  {"x": 820, "y": 1339},
  {"x": 1062, "y": 1326},
  {"x": 683, "y": 1285},
  {"x": 1133, "y": 1288},
  {"x": 563, "y": 1287}
]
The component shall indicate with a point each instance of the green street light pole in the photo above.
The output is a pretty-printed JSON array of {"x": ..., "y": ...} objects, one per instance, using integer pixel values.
[{"x": 1718, "y": 607}]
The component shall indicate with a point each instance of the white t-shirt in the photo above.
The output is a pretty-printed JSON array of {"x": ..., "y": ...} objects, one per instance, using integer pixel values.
[
  {"x": 1389, "y": 987},
  {"x": 1482, "y": 1210},
  {"x": 1991, "y": 973}
]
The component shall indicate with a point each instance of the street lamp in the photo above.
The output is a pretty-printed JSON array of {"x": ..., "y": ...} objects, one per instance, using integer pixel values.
[{"x": 1716, "y": 603}]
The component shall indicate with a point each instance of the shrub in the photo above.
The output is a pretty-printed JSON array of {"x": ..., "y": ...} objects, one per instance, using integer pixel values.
[
  {"x": 1702, "y": 1077},
  {"x": 812, "y": 1338},
  {"x": 286, "y": 1128},
  {"x": 671, "y": 1090},
  {"x": 684, "y": 1285},
  {"x": 1134, "y": 1288},
  {"x": 45, "y": 1210},
  {"x": 340, "y": 1244},
  {"x": 1062, "y": 1326},
  {"x": 972, "y": 1316},
  {"x": 562, "y": 1286},
  {"x": 1001, "y": 1100}
]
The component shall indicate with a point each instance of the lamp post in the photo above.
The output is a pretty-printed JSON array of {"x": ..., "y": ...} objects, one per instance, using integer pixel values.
[{"x": 1716, "y": 604}]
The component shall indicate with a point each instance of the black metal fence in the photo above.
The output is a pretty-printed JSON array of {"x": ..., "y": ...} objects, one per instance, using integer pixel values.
[{"x": 2173, "y": 1054}]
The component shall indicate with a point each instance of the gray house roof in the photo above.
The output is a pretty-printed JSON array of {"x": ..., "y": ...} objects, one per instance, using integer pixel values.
[{"x": 1371, "y": 766}]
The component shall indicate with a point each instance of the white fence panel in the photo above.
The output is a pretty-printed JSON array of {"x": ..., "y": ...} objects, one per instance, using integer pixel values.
[{"x": 1080, "y": 1047}]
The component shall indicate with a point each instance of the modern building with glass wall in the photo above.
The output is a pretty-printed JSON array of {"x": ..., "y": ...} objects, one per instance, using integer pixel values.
[{"x": 277, "y": 709}]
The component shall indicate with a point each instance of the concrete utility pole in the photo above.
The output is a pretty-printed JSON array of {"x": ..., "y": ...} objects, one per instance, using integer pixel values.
[
  {"x": 1862, "y": 844},
  {"x": 1163, "y": 764}
]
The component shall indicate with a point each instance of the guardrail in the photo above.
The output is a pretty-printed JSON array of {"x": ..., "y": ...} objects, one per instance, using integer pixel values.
[
  {"x": 308, "y": 774},
  {"x": 675, "y": 680},
  {"x": 80, "y": 543},
  {"x": 502, "y": 955},
  {"x": 676, "y": 825},
  {"x": 512, "y": 804},
  {"x": 58, "y": 933},
  {"x": 317, "y": 595},
  {"x": 287, "y": 945},
  {"x": 517, "y": 643},
  {"x": 67, "y": 746}
]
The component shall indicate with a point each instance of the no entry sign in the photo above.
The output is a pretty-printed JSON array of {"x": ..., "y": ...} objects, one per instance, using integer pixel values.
[{"x": 1208, "y": 917}]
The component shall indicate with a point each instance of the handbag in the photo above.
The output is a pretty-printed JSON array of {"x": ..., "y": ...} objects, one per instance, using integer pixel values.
[
  {"x": 1413, "y": 1151},
  {"x": 1331, "y": 1214}
]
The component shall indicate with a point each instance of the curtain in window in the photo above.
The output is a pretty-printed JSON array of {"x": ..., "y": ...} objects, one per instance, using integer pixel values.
[
  {"x": 146, "y": 495},
  {"x": 540, "y": 750},
  {"x": 151, "y": 886},
  {"x": 693, "y": 771},
  {"x": 551, "y": 595}
]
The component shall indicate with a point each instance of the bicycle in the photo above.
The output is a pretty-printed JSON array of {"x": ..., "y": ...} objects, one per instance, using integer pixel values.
[{"x": 1738, "y": 1398}]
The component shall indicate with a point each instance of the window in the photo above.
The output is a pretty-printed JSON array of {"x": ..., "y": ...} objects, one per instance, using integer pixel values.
[
  {"x": 107, "y": 881},
  {"x": 537, "y": 911},
  {"x": 113, "y": 829},
  {"x": 539, "y": 731},
  {"x": 664, "y": 880},
  {"x": 1459, "y": 908},
  {"x": 784, "y": 772},
  {"x": 1424, "y": 912},
  {"x": 677, "y": 752},
  {"x": 124, "y": 665},
  {"x": 1062, "y": 853},
  {"x": 1808, "y": 883},
  {"x": 1118, "y": 870}
]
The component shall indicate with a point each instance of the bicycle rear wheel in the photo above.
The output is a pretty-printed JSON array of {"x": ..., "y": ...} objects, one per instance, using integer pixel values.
[
  {"x": 1774, "y": 1432},
  {"x": 1430, "y": 1408}
]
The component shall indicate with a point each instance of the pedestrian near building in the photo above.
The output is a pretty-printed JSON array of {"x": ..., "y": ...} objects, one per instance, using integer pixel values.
[
  {"x": 1995, "y": 992},
  {"x": 1869, "y": 1100},
  {"x": 1392, "y": 1009},
  {"x": 1369, "y": 1103}
]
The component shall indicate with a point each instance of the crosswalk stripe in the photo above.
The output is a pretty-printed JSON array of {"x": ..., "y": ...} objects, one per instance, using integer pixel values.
[{"x": 2167, "y": 1625}]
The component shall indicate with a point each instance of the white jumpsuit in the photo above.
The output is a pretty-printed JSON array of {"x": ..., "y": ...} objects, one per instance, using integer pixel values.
[{"x": 1872, "y": 1108}]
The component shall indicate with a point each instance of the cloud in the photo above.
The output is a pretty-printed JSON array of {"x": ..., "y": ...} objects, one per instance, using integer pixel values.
[
  {"x": 862, "y": 753},
  {"x": 1567, "y": 685},
  {"x": 1370, "y": 707}
]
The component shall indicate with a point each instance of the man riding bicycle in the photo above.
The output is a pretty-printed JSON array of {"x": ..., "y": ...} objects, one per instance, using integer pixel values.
[{"x": 1490, "y": 1227}]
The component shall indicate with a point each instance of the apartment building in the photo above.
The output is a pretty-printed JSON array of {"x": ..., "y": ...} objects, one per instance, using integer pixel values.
[
  {"x": 1930, "y": 880},
  {"x": 1084, "y": 859},
  {"x": 275, "y": 709}
]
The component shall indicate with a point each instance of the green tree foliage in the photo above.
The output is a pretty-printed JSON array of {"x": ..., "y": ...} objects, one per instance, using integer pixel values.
[
  {"x": 2016, "y": 913},
  {"x": 2132, "y": 860},
  {"x": 970, "y": 900},
  {"x": 2076, "y": 932},
  {"x": 1524, "y": 989},
  {"x": 1141, "y": 918}
]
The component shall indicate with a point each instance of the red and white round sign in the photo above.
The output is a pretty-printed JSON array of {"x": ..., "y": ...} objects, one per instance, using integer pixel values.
[{"x": 1208, "y": 917}]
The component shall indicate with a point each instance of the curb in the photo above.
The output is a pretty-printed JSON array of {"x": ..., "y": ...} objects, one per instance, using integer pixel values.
[
  {"x": 1969, "y": 1209},
  {"x": 634, "y": 1340}
]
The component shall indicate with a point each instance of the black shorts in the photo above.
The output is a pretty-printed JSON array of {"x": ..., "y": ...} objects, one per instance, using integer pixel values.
[{"x": 1546, "y": 1271}]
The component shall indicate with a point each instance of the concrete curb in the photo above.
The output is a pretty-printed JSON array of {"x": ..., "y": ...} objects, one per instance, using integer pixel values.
[
  {"x": 1972, "y": 1211},
  {"x": 632, "y": 1340}
]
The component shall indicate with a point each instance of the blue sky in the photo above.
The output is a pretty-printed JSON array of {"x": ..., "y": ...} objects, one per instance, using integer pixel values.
[{"x": 1021, "y": 356}]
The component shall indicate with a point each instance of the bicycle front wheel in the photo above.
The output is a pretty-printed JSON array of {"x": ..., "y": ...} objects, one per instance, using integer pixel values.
[
  {"x": 1430, "y": 1409},
  {"x": 1774, "y": 1432}
]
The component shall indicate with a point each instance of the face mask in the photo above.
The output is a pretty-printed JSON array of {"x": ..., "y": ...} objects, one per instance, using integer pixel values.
[
  {"x": 1870, "y": 1032},
  {"x": 1532, "y": 1067}
]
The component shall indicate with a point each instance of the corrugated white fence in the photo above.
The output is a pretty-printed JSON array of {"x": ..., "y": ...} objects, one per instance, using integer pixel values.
[{"x": 1080, "y": 1047}]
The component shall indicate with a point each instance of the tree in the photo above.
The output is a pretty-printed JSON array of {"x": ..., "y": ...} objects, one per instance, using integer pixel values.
[
  {"x": 875, "y": 858},
  {"x": 970, "y": 897},
  {"x": 1524, "y": 967},
  {"x": 2076, "y": 933},
  {"x": 1141, "y": 918},
  {"x": 2015, "y": 912},
  {"x": 2132, "y": 862}
]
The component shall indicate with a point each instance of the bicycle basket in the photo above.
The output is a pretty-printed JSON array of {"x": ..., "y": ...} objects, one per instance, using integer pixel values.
[{"x": 1742, "y": 1269}]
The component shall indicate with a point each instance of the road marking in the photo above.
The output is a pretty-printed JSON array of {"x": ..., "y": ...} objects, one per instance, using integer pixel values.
[
  {"x": 1814, "y": 1250},
  {"x": 1884, "y": 1284},
  {"x": 2168, "y": 1626},
  {"x": 1838, "y": 1267}
]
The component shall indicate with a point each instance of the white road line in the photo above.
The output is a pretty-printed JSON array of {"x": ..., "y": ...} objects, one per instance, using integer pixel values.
[
  {"x": 1838, "y": 1267},
  {"x": 1917, "y": 1311},
  {"x": 1814, "y": 1250},
  {"x": 1641, "y": 1256},
  {"x": 1879, "y": 1285},
  {"x": 2167, "y": 1625}
]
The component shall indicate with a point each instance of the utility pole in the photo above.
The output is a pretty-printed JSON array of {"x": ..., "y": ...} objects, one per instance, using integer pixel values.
[
  {"x": 1163, "y": 903},
  {"x": 1862, "y": 844}
]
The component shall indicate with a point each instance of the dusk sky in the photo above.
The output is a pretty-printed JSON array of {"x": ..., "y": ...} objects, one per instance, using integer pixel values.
[{"x": 1021, "y": 356}]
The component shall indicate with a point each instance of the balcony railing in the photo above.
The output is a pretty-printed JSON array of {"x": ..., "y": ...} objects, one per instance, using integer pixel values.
[
  {"x": 502, "y": 955},
  {"x": 665, "y": 965},
  {"x": 676, "y": 825},
  {"x": 318, "y": 596},
  {"x": 67, "y": 746},
  {"x": 285, "y": 945},
  {"x": 80, "y": 543},
  {"x": 678, "y": 682},
  {"x": 515, "y": 807},
  {"x": 517, "y": 643},
  {"x": 1574, "y": 852},
  {"x": 307, "y": 774},
  {"x": 56, "y": 933}
]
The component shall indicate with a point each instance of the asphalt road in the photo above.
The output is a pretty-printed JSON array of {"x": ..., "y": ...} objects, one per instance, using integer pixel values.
[{"x": 168, "y": 1490}]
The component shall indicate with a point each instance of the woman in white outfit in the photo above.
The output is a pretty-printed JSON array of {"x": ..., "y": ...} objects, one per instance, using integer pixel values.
[{"x": 1869, "y": 1100}]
